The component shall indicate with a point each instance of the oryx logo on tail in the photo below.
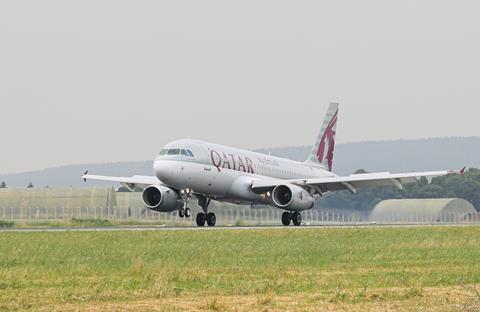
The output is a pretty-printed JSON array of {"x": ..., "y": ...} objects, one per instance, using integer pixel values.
[
  {"x": 323, "y": 149},
  {"x": 327, "y": 143}
]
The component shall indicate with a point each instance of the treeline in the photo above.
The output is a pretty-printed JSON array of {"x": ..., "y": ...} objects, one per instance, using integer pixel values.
[{"x": 450, "y": 186}]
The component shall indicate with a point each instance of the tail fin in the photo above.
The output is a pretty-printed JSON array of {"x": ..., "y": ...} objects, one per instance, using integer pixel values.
[{"x": 322, "y": 151}]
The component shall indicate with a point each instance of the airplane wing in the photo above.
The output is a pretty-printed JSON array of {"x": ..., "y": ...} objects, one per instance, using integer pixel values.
[
  {"x": 129, "y": 182},
  {"x": 351, "y": 183}
]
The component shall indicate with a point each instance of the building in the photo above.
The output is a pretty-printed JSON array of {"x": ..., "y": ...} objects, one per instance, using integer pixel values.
[{"x": 423, "y": 211}]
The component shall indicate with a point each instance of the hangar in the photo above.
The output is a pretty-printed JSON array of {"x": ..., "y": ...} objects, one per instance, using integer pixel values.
[{"x": 423, "y": 210}]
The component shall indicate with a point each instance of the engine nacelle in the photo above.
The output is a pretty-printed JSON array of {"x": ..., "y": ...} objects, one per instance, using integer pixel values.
[
  {"x": 291, "y": 197},
  {"x": 161, "y": 198}
]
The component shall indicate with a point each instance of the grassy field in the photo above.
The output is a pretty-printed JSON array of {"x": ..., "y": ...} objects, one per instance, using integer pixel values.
[{"x": 358, "y": 269}]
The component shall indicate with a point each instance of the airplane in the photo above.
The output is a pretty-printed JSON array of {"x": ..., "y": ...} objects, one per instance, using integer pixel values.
[{"x": 185, "y": 169}]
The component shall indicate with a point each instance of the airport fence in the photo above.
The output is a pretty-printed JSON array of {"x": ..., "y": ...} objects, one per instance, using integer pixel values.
[
  {"x": 105, "y": 203},
  {"x": 226, "y": 215}
]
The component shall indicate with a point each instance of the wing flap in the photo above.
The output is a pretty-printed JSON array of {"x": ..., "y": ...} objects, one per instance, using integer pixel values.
[{"x": 263, "y": 186}]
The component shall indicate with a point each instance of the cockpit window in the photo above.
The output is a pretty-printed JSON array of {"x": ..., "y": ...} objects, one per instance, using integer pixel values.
[{"x": 174, "y": 151}]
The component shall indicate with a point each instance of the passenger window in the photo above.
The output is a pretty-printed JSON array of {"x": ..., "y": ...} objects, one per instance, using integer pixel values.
[
  {"x": 189, "y": 152},
  {"x": 184, "y": 152},
  {"x": 163, "y": 152},
  {"x": 173, "y": 152}
]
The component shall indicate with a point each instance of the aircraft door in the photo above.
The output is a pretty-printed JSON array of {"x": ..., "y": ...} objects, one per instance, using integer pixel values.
[{"x": 206, "y": 173}]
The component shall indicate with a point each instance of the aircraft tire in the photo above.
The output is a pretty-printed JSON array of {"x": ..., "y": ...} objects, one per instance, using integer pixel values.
[
  {"x": 286, "y": 218},
  {"x": 211, "y": 219},
  {"x": 200, "y": 219},
  {"x": 181, "y": 213},
  {"x": 188, "y": 212},
  {"x": 297, "y": 219}
]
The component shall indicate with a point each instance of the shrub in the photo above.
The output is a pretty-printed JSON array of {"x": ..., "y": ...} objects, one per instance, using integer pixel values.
[
  {"x": 6, "y": 224},
  {"x": 91, "y": 222}
]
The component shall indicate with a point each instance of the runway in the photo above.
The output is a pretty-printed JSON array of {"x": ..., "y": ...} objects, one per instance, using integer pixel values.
[{"x": 230, "y": 228}]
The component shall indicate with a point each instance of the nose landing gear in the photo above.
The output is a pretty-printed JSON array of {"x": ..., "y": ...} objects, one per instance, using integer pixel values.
[
  {"x": 186, "y": 196},
  {"x": 185, "y": 212}
]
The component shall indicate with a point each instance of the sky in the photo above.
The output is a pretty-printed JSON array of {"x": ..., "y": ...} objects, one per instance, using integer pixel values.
[{"x": 113, "y": 80}]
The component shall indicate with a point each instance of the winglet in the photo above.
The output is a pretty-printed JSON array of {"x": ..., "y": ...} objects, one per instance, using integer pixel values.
[
  {"x": 462, "y": 172},
  {"x": 84, "y": 174}
]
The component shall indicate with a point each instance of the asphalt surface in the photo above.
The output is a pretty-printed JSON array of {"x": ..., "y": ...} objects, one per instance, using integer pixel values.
[{"x": 187, "y": 228}]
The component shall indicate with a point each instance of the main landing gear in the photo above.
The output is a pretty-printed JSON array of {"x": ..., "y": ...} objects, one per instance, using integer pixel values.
[
  {"x": 186, "y": 196},
  {"x": 294, "y": 217},
  {"x": 205, "y": 216}
]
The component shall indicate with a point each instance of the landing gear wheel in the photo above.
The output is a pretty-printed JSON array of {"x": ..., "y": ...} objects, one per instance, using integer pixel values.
[
  {"x": 200, "y": 219},
  {"x": 181, "y": 213},
  {"x": 211, "y": 219},
  {"x": 297, "y": 219},
  {"x": 188, "y": 212},
  {"x": 204, "y": 202},
  {"x": 286, "y": 218}
]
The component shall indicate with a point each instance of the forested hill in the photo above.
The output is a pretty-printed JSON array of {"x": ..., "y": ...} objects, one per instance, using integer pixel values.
[{"x": 394, "y": 156}]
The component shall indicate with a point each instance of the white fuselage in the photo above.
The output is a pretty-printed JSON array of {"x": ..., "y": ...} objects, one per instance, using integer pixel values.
[{"x": 225, "y": 173}]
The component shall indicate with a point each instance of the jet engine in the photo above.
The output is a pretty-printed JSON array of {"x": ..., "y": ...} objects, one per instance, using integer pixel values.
[
  {"x": 291, "y": 197},
  {"x": 161, "y": 198}
]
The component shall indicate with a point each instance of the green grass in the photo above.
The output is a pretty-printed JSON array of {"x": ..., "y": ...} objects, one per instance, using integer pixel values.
[{"x": 354, "y": 266}]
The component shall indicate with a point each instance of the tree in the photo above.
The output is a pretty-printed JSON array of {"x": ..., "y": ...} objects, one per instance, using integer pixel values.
[
  {"x": 360, "y": 171},
  {"x": 3, "y": 185},
  {"x": 431, "y": 191},
  {"x": 124, "y": 189},
  {"x": 30, "y": 185}
]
